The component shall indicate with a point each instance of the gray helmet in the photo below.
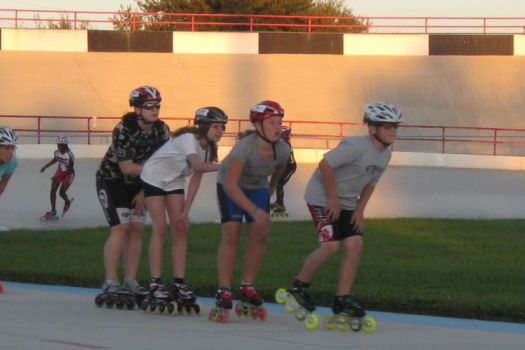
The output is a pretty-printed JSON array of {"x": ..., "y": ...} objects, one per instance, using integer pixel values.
[
  {"x": 7, "y": 136},
  {"x": 62, "y": 140},
  {"x": 380, "y": 112},
  {"x": 208, "y": 115}
]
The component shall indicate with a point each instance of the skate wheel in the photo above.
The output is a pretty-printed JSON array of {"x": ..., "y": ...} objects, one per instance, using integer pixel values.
[
  {"x": 330, "y": 322},
  {"x": 171, "y": 308},
  {"x": 369, "y": 324},
  {"x": 300, "y": 314},
  {"x": 311, "y": 322},
  {"x": 144, "y": 305},
  {"x": 1, "y": 288},
  {"x": 239, "y": 310},
  {"x": 343, "y": 323},
  {"x": 152, "y": 308},
  {"x": 263, "y": 314},
  {"x": 254, "y": 313},
  {"x": 355, "y": 324},
  {"x": 280, "y": 296},
  {"x": 130, "y": 305},
  {"x": 197, "y": 308},
  {"x": 99, "y": 300}
]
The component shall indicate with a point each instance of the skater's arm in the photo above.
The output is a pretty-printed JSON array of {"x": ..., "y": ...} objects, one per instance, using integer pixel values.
[
  {"x": 278, "y": 173},
  {"x": 200, "y": 166},
  {"x": 193, "y": 187},
  {"x": 232, "y": 189},
  {"x": 51, "y": 162},
  {"x": 129, "y": 168},
  {"x": 358, "y": 218},
  {"x": 333, "y": 208},
  {"x": 3, "y": 182}
]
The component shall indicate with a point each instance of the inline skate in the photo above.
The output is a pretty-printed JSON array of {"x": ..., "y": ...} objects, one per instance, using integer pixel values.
[
  {"x": 278, "y": 211},
  {"x": 250, "y": 303},
  {"x": 298, "y": 300},
  {"x": 50, "y": 216},
  {"x": 185, "y": 299},
  {"x": 159, "y": 300},
  {"x": 220, "y": 312},
  {"x": 347, "y": 314},
  {"x": 138, "y": 292},
  {"x": 113, "y": 295}
]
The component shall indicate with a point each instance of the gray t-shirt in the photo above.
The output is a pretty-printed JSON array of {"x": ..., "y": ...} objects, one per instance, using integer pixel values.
[
  {"x": 356, "y": 163},
  {"x": 256, "y": 170}
]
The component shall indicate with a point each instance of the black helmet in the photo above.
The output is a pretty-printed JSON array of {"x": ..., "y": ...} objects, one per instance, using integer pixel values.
[{"x": 208, "y": 115}]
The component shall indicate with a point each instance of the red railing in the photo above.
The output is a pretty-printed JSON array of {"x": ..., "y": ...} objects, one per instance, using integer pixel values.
[
  {"x": 309, "y": 130},
  {"x": 21, "y": 18}
]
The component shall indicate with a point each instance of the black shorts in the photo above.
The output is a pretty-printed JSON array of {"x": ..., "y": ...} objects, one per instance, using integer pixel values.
[
  {"x": 153, "y": 191},
  {"x": 329, "y": 230},
  {"x": 116, "y": 199}
]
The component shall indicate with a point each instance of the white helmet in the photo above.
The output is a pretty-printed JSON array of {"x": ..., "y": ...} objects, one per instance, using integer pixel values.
[
  {"x": 62, "y": 140},
  {"x": 380, "y": 112},
  {"x": 7, "y": 136}
]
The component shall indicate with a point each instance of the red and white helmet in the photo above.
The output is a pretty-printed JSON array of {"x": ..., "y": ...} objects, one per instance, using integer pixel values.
[
  {"x": 264, "y": 110},
  {"x": 142, "y": 94}
]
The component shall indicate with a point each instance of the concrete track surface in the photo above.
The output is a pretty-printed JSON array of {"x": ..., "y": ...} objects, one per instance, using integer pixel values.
[{"x": 63, "y": 318}]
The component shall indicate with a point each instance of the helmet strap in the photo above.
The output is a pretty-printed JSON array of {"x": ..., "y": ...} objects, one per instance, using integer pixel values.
[{"x": 263, "y": 136}]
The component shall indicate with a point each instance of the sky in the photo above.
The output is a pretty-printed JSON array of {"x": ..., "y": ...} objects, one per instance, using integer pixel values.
[{"x": 374, "y": 8}]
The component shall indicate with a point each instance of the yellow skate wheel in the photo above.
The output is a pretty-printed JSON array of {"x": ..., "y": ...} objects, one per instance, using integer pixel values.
[
  {"x": 311, "y": 322},
  {"x": 330, "y": 322},
  {"x": 369, "y": 324},
  {"x": 280, "y": 296},
  {"x": 300, "y": 314}
]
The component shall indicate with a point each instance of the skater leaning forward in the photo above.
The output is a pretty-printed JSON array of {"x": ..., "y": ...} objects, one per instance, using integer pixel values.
[
  {"x": 63, "y": 177},
  {"x": 244, "y": 192},
  {"x": 8, "y": 161},
  {"x": 278, "y": 208},
  {"x": 337, "y": 195},
  {"x": 192, "y": 151},
  {"x": 135, "y": 138}
]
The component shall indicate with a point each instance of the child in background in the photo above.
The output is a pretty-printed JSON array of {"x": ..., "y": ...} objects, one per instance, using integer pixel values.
[{"x": 63, "y": 178}]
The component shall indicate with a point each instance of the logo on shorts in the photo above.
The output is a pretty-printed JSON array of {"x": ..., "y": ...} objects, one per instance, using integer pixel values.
[
  {"x": 325, "y": 233},
  {"x": 103, "y": 198}
]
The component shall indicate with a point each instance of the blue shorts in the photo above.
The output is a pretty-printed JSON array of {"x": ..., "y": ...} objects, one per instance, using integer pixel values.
[{"x": 230, "y": 211}]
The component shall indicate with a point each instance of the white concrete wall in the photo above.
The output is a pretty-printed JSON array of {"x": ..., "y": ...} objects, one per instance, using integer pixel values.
[
  {"x": 519, "y": 45},
  {"x": 314, "y": 156},
  {"x": 44, "y": 40},
  {"x": 215, "y": 43},
  {"x": 386, "y": 44}
]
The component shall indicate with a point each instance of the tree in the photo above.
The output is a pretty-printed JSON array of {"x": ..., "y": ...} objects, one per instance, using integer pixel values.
[
  {"x": 176, "y": 12},
  {"x": 63, "y": 23}
]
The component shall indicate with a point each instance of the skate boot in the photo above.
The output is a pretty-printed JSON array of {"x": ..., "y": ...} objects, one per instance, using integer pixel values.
[
  {"x": 250, "y": 303},
  {"x": 159, "y": 300},
  {"x": 278, "y": 211},
  {"x": 185, "y": 299},
  {"x": 67, "y": 205},
  {"x": 220, "y": 312},
  {"x": 49, "y": 216},
  {"x": 348, "y": 314},
  {"x": 298, "y": 300},
  {"x": 139, "y": 292},
  {"x": 109, "y": 295}
]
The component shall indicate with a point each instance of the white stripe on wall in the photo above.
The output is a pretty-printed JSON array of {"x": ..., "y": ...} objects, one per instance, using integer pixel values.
[
  {"x": 44, "y": 40},
  {"x": 386, "y": 44},
  {"x": 215, "y": 43}
]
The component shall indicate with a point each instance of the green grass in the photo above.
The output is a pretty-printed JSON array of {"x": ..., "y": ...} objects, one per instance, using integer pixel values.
[{"x": 463, "y": 268}]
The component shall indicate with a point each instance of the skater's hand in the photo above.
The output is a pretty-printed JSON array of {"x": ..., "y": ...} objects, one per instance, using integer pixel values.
[
  {"x": 260, "y": 216},
  {"x": 358, "y": 221},
  {"x": 43, "y": 169},
  {"x": 138, "y": 204},
  {"x": 333, "y": 208},
  {"x": 183, "y": 220}
]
